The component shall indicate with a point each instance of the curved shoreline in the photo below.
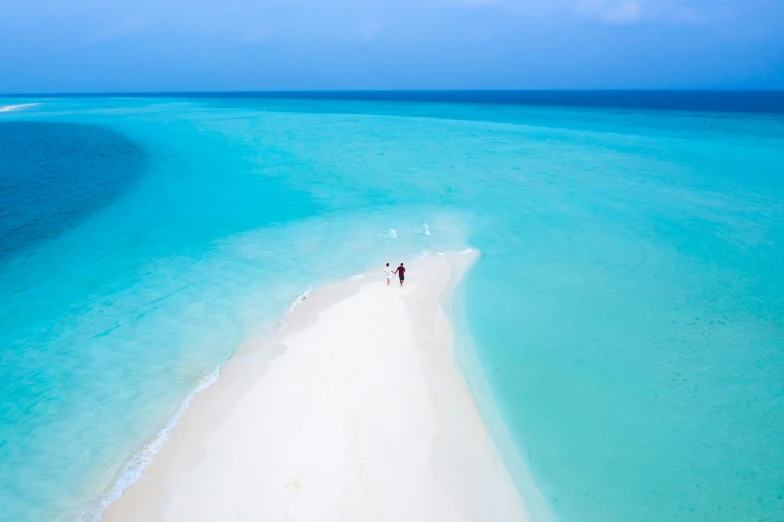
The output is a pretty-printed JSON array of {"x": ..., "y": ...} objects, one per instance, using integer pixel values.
[
  {"x": 338, "y": 398},
  {"x": 466, "y": 358},
  {"x": 137, "y": 464}
]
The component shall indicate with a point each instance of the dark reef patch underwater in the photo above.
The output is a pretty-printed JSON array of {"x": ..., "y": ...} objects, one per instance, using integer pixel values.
[{"x": 53, "y": 175}]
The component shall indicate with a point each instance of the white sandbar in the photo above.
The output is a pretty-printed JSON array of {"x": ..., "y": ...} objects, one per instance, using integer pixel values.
[{"x": 356, "y": 412}]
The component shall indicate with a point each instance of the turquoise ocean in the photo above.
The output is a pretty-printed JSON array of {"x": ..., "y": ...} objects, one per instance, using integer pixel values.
[{"x": 623, "y": 328}]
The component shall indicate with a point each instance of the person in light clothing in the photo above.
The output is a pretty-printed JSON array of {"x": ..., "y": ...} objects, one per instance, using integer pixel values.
[{"x": 388, "y": 273}]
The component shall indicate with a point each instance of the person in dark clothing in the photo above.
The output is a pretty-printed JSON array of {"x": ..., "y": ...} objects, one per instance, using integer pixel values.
[{"x": 401, "y": 273}]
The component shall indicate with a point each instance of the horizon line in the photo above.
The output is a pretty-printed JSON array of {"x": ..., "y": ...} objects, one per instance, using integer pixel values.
[
  {"x": 759, "y": 101},
  {"x": 339, "y": 91}
]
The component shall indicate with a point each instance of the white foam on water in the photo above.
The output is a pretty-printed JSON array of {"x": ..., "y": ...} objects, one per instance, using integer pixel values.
[
  {"x": 17, "y": 107},
  {"x": 424, "y": 229},
  {"x": 390, "y": 234},
  {"x": 138, "y": 463},
  {"x": 299, "y": 300},
  {"x": 421, "y": 255},
  {"x": 443, "y": 257},
  {"x": 283, "y": 325}
]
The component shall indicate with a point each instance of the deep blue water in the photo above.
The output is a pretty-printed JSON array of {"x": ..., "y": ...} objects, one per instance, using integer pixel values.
[
  {"x": 761, "y": 101},
  {"x": 54, "y": 175},
  {"x": 624, "y": 320}
]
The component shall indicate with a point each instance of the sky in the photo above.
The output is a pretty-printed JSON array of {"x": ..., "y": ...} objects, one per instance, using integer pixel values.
[{"x": 218, "y": 45}]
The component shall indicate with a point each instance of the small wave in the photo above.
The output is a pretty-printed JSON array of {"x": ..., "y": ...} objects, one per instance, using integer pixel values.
[
  {"x": 138, "y": 463},
  {"x": 424, "y": 229},
  {"x": 421, "y": 255},
  {"x": 466, "y": 251},
  {"x": 18, "y": 107},
  {"x": 299, "y": 300},
  {"x": 360, "y": 275},
  {"x": 443, "y": 257},
  {"x": 391, "y": 234}
]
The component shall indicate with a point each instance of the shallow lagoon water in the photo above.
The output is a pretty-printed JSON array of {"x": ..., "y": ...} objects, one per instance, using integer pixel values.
[{"x": 624, "y": 318}]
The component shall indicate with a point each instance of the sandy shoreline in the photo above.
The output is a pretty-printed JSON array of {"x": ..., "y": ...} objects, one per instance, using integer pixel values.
[{"x": 356, "y": 411}]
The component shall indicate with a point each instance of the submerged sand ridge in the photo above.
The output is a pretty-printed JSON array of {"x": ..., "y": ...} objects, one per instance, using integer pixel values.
[{"x": 356, "y": 412}]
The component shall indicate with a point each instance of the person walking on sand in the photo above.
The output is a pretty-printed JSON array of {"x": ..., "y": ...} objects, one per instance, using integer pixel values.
[
  {"x": 388, "y": 273},
  {"x": 401, "y": 273}
]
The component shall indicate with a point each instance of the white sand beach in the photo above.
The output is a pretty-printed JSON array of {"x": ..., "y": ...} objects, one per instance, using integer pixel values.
[{"x": 356, "y": 412}]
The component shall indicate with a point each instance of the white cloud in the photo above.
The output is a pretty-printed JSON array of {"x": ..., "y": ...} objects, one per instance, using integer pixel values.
[
  {"x": 367, "y": 30},
  {"x": 473, "y": 2},
  {"x": 127, "y": 26},
  {"x": 627, "y": 12},
  {"x": 611, "y": 11},
  {"x": 257, "y": 34},
  {"x": 624, "y": 12}
]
